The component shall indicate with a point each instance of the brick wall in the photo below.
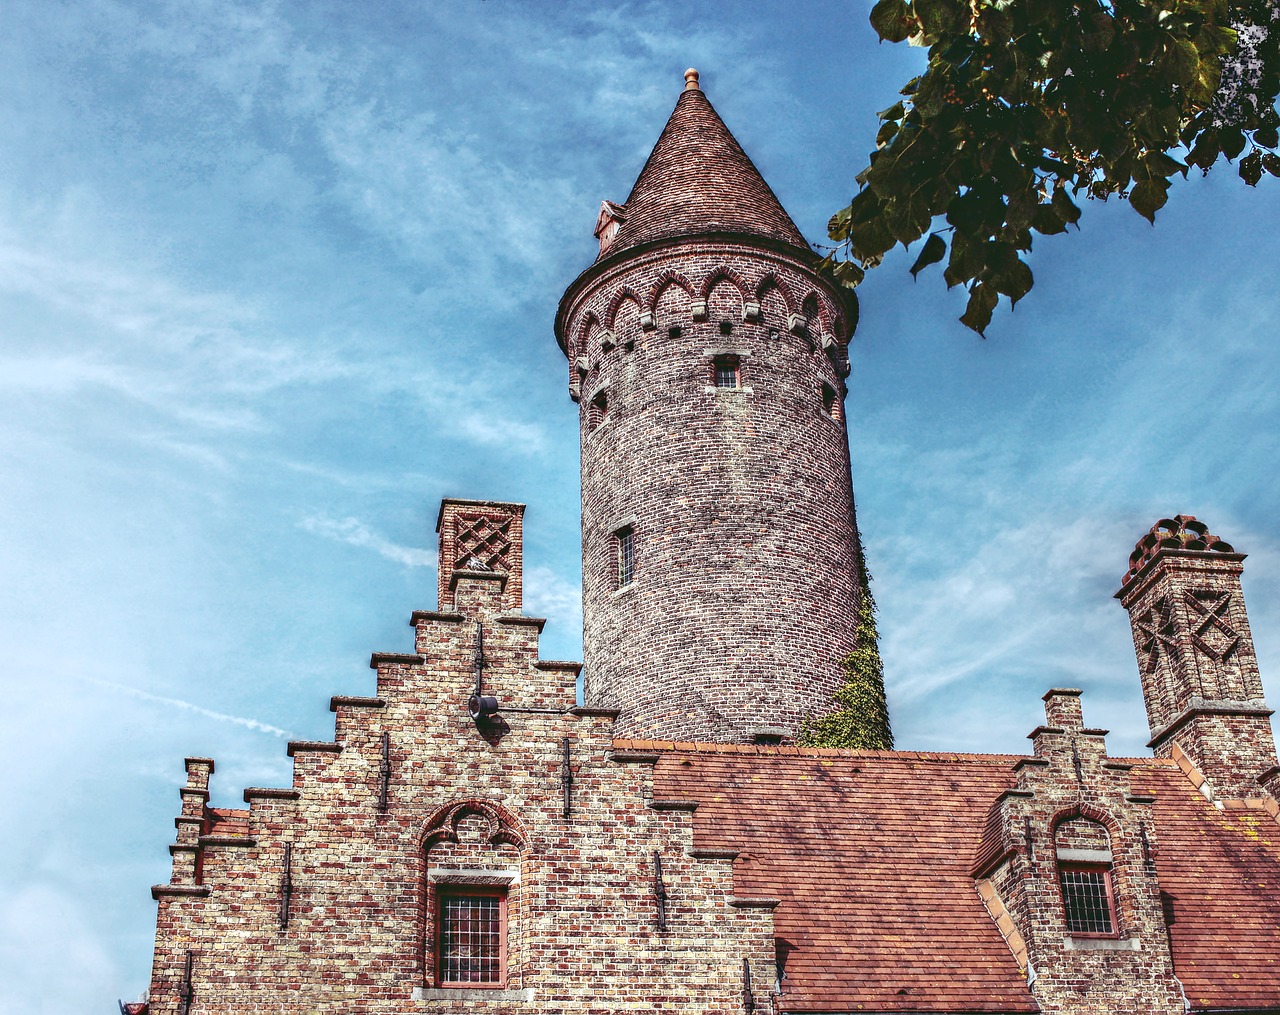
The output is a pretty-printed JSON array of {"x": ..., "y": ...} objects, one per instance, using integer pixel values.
[
  {"x": 739, "y": 499},
  {"x": 463, "y": 802}
]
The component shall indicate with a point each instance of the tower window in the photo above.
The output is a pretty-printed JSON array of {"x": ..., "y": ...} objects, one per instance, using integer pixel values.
[
  {"x": 472, "y": 949},
  {"x": 597, "y": 410},
  {"x": 726, "y": 327},
  {"x": 1087, "y": 899},
  {"x": 625, "y": 540},
  {"x": 726, "y": 372},
  {"x": 831, "y": 403}
]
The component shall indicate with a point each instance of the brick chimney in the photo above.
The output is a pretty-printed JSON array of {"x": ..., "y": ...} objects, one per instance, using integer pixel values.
[
  {"x": 1195, "y": 656},
  {"x": 481, "y": 556}
]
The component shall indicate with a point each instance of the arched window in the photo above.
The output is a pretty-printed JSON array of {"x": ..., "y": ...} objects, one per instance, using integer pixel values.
[
  {"x": 1084, "y": 876},
  {"x": 472, "y": 892}
]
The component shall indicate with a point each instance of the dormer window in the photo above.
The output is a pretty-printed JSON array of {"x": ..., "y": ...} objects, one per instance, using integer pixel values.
[
  {"x": 1084, "y": 877},
  {"x": 608, "y": 222},
  {"x": 1087, "y": 899}
]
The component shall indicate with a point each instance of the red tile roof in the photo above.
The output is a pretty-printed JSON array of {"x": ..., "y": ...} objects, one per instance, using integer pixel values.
[
  {"x": 698, "y": 180},
  {"x": 1219, "y": 871},
  {"x": 871, "y": 853}
]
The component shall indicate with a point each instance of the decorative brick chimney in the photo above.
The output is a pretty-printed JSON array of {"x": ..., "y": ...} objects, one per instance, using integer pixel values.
[
  {"x": 481, "y": 559},
  {"x": 1195, "y": 656}
]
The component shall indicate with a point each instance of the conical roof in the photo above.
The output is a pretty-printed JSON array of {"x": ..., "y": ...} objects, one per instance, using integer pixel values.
[{"x": 698, "y": 180}]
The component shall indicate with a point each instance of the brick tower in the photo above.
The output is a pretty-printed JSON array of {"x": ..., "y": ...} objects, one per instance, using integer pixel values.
[
  {"x": 1195, "y": 654},
  {"x": 708, "y": 358}
]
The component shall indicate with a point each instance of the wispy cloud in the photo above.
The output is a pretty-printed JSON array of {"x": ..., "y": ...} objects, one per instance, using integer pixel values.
[
  {"x": 547, "y": 594},
  {"x": 356, "y": 533},
  {"x": 238, "y": 720}
]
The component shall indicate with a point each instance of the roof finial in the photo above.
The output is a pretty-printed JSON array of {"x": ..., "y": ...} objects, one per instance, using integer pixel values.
[{"x": 691, "y": 81}]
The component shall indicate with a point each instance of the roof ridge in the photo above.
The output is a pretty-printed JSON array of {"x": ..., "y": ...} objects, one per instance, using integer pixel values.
[{"x": 792, "y": 750}]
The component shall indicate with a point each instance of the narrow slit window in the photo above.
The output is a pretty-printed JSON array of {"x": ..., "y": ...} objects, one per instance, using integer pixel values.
[
  {"x": 472, "y": 939},
  {"x": 1087, "y": 899},
  {"x": 625, "y": 540},
  {"x": 726, "y": 372},
  {"x": 597, "y": 411},
  {"x": 831, "y": 403}
]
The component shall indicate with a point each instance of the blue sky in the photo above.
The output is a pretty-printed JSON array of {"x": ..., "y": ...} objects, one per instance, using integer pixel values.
[{"x": 275, "y": 278}]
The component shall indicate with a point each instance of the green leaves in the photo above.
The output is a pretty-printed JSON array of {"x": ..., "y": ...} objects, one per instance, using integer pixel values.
[
  {"x": 982, "y": 301},
  {"x": 1148, "y": 197},
  {"x": 892, "y": 20},
  {"x": 935, "y": 248},
  {"x": 861, "y": 718},
  {"x": 1027, "y": 104}
]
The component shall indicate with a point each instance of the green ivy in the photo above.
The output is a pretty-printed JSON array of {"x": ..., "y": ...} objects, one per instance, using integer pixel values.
[{"x": 862, "y": 719}]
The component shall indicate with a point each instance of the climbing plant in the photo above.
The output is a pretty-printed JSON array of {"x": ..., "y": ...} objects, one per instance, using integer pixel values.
[
  {"x": 1027, "y": 107},
  {"x": 862, "y": 719}
]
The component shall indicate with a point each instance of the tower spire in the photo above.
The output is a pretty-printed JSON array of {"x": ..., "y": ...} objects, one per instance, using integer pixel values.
[
  {"x": 698, "y": 180},
  {"x": 720, "y": 556}
]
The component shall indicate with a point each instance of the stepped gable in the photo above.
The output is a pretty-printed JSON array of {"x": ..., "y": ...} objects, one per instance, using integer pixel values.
[
  {"x": 698, "y": 180},
  {"x": 870, "y": 854}
]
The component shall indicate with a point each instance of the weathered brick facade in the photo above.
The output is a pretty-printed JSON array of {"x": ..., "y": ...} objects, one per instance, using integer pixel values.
[
  {"x": 664, "y": 848},
  {"x": 346, "y": 925}
]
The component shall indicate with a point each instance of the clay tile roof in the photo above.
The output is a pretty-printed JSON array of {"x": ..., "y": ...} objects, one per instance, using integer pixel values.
[
  {"x": 871, "y": 855},
  {"x": 698, "y": 180}
]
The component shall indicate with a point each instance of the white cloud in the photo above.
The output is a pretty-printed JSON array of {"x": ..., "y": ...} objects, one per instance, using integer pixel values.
[
  {"x": 187, "y": 706},
  {"x": 547, "y": 594}
]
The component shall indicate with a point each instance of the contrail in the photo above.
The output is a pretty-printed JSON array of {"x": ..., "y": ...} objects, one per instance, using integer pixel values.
[{"x": 252, "y": 724}]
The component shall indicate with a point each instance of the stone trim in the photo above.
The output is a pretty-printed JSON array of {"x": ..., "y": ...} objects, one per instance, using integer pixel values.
[
  {"x": 398, "y": 658},
  {"x": 588, "y": 711},
  {"x": 1206, "y": 708},
  {"x": 226, "y": 840},
  {"x": 557, "y": 664},
  {"x": 270, "y": 793},
  {"x": 528, "y": 994},
  {"x": 324, "y": 746},
  {"x": 634, "y": 757},
  {"x": 473, "y": 876},
  {"x": 197, "y": 891},
  {"x": 354, "y": 702},
  {"x": 418, "y": 616},
  {"x": 673, "y": 805},
  {"x": 1004, "y": 922},
  {"x": 1101, "y": 944},
  {"x": 1138, "y": 582},
  {"x": 517, "y": 620},
  {"x": 1084, "y": 855}
]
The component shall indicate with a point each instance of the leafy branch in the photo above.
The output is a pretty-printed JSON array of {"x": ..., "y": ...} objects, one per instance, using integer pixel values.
[{"x": 1027, "y": 106}]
